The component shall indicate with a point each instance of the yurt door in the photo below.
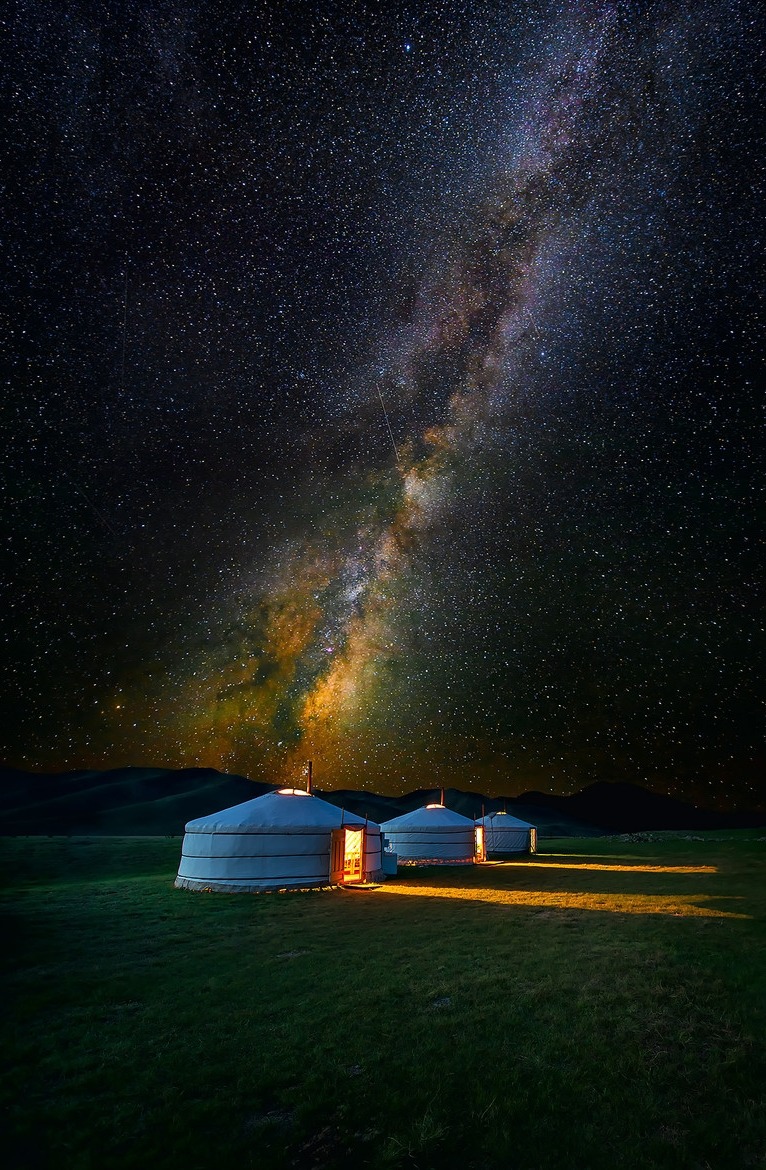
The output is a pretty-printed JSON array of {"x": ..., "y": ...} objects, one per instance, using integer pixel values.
[
  {"x": 481, "y": 853},
  {"x": 346, "y": 856}
]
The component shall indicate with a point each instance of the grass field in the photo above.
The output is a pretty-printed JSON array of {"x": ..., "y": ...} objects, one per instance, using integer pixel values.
[{"x": 602, "y": 1006}]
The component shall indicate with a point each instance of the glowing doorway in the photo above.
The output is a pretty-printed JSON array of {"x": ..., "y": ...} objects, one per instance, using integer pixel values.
[{"x": 347, "y": 856}]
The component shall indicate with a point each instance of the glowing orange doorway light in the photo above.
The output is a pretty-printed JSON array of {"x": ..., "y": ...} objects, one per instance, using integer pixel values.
[
  {"x": 481, "y": 852},
  {"x": 346, "y": 856}
]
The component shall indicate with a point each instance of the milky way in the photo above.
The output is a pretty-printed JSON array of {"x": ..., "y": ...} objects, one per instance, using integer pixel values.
[{"x": 425, "y": 417}]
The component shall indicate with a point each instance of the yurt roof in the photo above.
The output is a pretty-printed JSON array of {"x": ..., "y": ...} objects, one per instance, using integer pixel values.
[
  {"x": 433, "y": 816},
  {"x": 504, "y": 820},
  {"x": 286, "y": 810}
]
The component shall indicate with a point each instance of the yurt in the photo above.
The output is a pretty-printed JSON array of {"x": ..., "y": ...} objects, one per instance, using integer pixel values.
[
  {"x": 432, "y": 834},
  {"x": 286, "y": 839},
  {"x": 506, "y": 834}
]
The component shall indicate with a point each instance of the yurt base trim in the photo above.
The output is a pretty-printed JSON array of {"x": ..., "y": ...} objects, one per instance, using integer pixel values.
[
  {"x": 208, "y": 887},
  {"x": 435, "y": 860}
]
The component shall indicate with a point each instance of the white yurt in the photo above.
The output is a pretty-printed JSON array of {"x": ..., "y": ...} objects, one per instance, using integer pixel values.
[
  {"x": 286, "y": 839},
  {"x": 432, "y": 834},
  {"x": 504, "y": 833}
]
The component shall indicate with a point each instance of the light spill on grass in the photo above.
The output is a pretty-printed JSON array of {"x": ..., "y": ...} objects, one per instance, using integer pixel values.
[
  {"x": 586, "y": 866},
  {"x": 684, "y": 906}
]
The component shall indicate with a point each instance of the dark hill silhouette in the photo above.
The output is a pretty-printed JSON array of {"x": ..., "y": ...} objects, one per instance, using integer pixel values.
[
  {"x": 152, "y": 801},
  {"x": 159, "y": 801}
]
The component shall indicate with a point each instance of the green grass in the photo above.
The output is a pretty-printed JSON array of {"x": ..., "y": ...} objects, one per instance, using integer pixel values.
[{"x": 579, "y": 1011}]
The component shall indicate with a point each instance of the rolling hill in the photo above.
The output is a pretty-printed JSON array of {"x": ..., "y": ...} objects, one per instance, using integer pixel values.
[{"x": 159, "y": 801}]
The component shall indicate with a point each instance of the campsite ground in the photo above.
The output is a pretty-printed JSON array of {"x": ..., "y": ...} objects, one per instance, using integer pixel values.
[{"x": 600, "y": 1007}]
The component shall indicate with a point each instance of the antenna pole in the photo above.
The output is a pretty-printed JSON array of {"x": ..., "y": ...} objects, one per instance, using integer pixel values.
[{"x": 308, "y": 786}]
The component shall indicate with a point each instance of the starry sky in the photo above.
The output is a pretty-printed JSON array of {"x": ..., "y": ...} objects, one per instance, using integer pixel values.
[{"x": 383, "y": 389}]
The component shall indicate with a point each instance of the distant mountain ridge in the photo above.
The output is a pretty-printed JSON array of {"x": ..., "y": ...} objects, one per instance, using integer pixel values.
[
  {"x": 159, "y": 801},
  {"x": 132, "y": 801}
]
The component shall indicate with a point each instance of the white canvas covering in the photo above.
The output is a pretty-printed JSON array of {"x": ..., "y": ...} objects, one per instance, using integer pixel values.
[
  {"x": 274, "y": 842},
  {"x": 433, "y": 833},
  {"x": 504, "y": 833}
]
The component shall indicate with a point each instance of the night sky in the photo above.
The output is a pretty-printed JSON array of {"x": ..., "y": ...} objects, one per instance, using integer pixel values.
[{"x": 383, "y": 389}]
